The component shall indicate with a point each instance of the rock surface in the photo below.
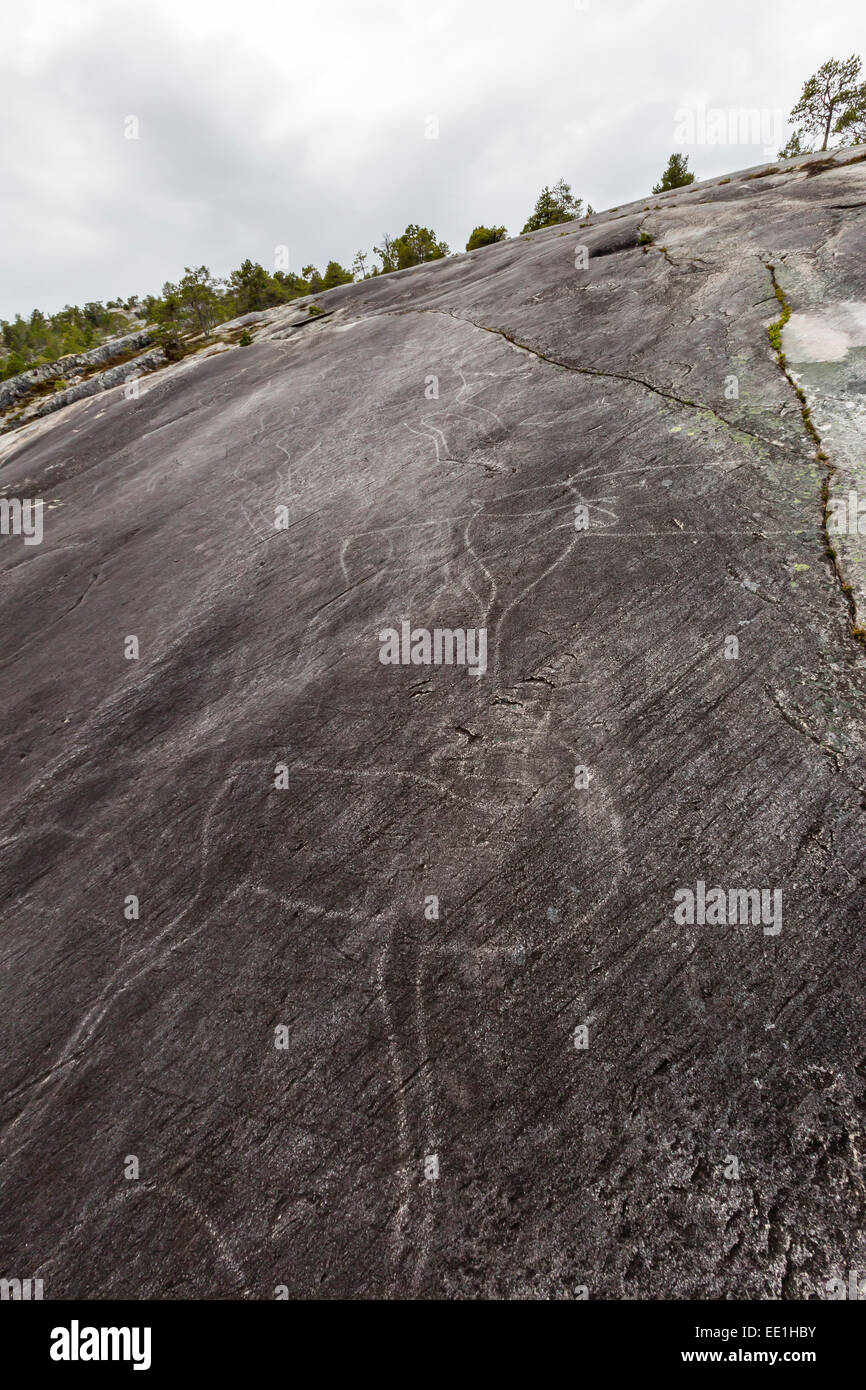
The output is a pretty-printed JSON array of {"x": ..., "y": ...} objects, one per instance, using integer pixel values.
[
  {"x": 433, "y": 1124},
  {"x": 21, "y": 387}
]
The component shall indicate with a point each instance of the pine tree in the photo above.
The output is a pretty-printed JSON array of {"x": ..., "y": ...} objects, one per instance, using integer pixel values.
[
  {"x": 826, "y": 95},
  {"x": 335, "y": 275},
  {"x": 852, "y": 123},
  {"x": 251, "y": 286},
  {"x": 386, "y": 254},
  {"x": 676, "y": 175},
  {"x": 554, "y": 205},
  {"x": 313, "y": 278},
  {"x": 199, "y": 300},
  {"x": 416, "y": 246},
  {"x": 794, "y": 146},
  {"x": 485, "y": 236}
]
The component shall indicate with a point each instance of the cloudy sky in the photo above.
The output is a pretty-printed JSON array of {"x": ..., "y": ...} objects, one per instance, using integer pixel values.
[{"x": 271, "y": 123}]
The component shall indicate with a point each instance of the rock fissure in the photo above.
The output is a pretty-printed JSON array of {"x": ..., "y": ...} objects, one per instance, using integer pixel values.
[
  {"x": 682, "y": 401},
  {"x": 828, "y": 468}
]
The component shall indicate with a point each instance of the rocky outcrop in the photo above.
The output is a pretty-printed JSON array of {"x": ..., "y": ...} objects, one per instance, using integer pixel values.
[
  {"x": 27, "y": 400},
  {"x": 93, "y": 385},
  {"x": 19, "y": 388},
  {"x": 399, "y": 980}
]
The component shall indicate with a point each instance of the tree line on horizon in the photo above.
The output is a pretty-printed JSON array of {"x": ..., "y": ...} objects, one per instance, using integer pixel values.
[
  {"x": 193, "y": 305},
  {"x": 833, "y": 102}
]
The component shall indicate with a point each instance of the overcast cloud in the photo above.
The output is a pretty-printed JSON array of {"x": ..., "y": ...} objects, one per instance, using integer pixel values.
[{"x": 269, "y": 123}]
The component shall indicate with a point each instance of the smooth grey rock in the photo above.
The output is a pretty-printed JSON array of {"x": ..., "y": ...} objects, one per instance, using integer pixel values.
[{"x": 705, "y": 1142}]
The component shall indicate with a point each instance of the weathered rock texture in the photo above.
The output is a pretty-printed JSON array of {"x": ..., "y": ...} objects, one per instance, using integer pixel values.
[
  {"x": 706, "y": 1142},
  {"x": 21, "y": 387}
]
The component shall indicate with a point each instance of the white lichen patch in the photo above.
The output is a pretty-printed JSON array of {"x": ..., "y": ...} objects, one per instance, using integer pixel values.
[{"x": 826, "y": 334}]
